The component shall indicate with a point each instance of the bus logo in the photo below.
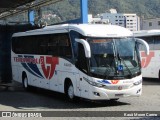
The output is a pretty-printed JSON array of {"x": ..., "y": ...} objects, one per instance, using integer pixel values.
[
  {"x": 146, "y": 59},
  {"x": 114, "y": 81},
  {"x": 48, "y": 65}
]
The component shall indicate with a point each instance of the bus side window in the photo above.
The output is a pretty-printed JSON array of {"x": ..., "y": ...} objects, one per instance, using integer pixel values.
[
  {"x": 42, "y": 45},
  {"x": 16, "y": 45},
  {"x": 65, "y": 46},
  {"x": 150, "y": 41},
  {"x": 81, "y": 60},
  {"x": 29, "y": 45},
  {"x": 157, "y": 43},
  {"x": 73, "y": 36},
  {"x": 53, "y": 45}
]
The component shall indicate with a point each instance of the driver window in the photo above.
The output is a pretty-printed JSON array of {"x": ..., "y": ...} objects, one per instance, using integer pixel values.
[{"x": 81, "y": 59}]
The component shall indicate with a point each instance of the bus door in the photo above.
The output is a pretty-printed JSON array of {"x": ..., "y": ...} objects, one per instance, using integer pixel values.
[
  {"x": 54, "y": 81},
  {"x": 81, "y": 64}
]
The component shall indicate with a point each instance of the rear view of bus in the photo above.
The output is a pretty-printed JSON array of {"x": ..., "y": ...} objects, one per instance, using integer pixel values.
[{"x": 103, "y": 64}]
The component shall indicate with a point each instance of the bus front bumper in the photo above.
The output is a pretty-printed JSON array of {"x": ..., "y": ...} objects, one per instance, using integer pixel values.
[{"x": 105, "y": 94}]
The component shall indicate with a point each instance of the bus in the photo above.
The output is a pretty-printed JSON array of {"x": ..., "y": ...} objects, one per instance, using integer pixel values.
[
  {"x": 95, "y": 62},
  {"x": 150, "y": 63}
]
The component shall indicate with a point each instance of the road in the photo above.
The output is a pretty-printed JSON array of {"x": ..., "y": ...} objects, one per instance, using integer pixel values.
[{"x": 17, "y": 99}]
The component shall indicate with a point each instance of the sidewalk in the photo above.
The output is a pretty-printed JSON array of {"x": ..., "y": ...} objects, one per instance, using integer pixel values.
[{"x": 12, "y": 86}]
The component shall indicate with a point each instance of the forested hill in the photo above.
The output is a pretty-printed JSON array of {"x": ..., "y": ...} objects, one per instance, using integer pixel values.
[
  {"x": 69, "y": 9},
  {"x": 143, "y": 8}
]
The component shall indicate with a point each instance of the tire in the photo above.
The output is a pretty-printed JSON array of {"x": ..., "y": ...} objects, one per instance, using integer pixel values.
[
  {"x": 70, "y": 92},
  {"x": 25, "y": 83},
  {"x": 115, "y": 99}
]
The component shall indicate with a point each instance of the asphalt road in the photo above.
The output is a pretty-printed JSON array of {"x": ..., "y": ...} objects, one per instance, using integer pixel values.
[{"x": 17, "y": 99}]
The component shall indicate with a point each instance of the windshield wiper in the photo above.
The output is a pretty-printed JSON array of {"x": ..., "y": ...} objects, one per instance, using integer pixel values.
[
  {"x": 119, "y": 58},
  {"x": 107, "y": 71}
]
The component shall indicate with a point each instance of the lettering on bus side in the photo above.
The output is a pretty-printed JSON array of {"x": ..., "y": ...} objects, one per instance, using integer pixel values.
[
  {"x": 67, "y": 64},
  {"x": 47, "y": 63}
]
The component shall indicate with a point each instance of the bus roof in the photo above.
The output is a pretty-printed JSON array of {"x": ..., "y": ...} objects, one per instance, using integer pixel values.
[
  {"x": 92, "y": 30},
  {"x": 144, "y": 33}
]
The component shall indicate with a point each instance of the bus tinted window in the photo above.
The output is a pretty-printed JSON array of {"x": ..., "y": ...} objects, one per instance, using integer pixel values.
[
  {"x": 157, "y": 42},
  {"x": 64, "y": 46},
  {"x": 53, "y": 44},
  {"x": 73, "y": 36},
  {"x": 150, "y": 41},
  {"x": 16, "y": 47}
]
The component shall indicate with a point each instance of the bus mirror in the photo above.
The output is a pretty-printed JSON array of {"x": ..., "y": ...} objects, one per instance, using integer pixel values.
[
  {"x": 86, "y": 47},
  {"x": 145, "y": 45}
]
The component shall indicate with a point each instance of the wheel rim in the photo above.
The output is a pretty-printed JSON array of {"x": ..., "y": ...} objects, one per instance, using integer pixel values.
[
  {"x": 71, "y": 92},
  {"x": 25, "y": 82}
]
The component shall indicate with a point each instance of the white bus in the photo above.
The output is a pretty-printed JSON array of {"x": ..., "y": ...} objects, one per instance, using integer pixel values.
[
  {"x": 96, "y": 62},
  {"x": 150, "y": 63}
]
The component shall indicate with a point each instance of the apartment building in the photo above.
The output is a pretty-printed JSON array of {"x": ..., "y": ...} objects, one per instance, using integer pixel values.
[
  {"x": 130, "y": 21},
  {"x": 149, "y": 24}
]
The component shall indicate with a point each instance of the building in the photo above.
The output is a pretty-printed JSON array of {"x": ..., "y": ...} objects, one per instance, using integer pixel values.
[
  {"x": 97, "y": 20},
  {"x": 149, "y": 24},
  {"x": 130, "y": 21}
]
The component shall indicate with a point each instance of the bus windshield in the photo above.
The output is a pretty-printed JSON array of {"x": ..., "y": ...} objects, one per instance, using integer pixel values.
[{"x": 114, "y": 58}]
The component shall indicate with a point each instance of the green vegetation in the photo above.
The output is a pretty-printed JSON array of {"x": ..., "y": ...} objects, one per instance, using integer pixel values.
[
  {"x": 70, "y": 9},
  {"x": 143, "y": 8}
]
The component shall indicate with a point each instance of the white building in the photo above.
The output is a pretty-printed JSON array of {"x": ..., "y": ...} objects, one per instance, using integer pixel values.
[
  {"x": 97, "y": 20},
  {"x": 130, "y": 21},
  {"x": 149, "y": 24},
  {"x": 114, "y": 18}
]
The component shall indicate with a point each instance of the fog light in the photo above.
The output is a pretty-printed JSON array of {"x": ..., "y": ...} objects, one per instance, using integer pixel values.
[
  {"x": 96, "y": 93},
  {"x": 138, "y": 91}
]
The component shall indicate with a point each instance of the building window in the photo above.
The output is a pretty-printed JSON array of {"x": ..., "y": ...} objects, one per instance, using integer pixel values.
[
  {"x": 150, "y": 23},
  {"x": 158, "y": 22}
]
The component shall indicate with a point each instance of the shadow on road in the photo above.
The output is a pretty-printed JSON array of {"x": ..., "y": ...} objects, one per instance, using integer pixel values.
[
  {"x": 151, "y": 81},
  {"x": 44, "y": 99}
]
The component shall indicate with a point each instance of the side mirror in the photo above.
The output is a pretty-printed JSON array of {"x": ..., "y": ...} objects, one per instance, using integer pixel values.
[
  {"x": 145, "y": 45},
  {"x": 86, "y": 47}
]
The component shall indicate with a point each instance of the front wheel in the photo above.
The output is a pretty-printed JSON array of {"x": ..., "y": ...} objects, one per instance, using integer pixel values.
[
  {"x": 114, "y": 99},
  {"x": 25, "y": 83},
  {"x": 70, "y": 92}
]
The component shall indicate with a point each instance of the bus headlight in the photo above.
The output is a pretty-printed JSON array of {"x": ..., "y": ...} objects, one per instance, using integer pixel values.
[
  {"x": 137, "y": 82},
  {"x": 95, "y": 83}
]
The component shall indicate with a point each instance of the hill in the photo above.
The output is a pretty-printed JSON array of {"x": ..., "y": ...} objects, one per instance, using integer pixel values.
[{"x": 70, "y": 9}]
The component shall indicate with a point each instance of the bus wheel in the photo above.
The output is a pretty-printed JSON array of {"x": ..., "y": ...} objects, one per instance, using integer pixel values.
[
  {"x": 25, "y": 83},
  {"x": 115, "y": 99},
  {"x": 70, "y": 91}
]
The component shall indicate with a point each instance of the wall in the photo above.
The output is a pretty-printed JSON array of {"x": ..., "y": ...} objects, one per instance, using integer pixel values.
[{"x": 6, "y": 32}]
